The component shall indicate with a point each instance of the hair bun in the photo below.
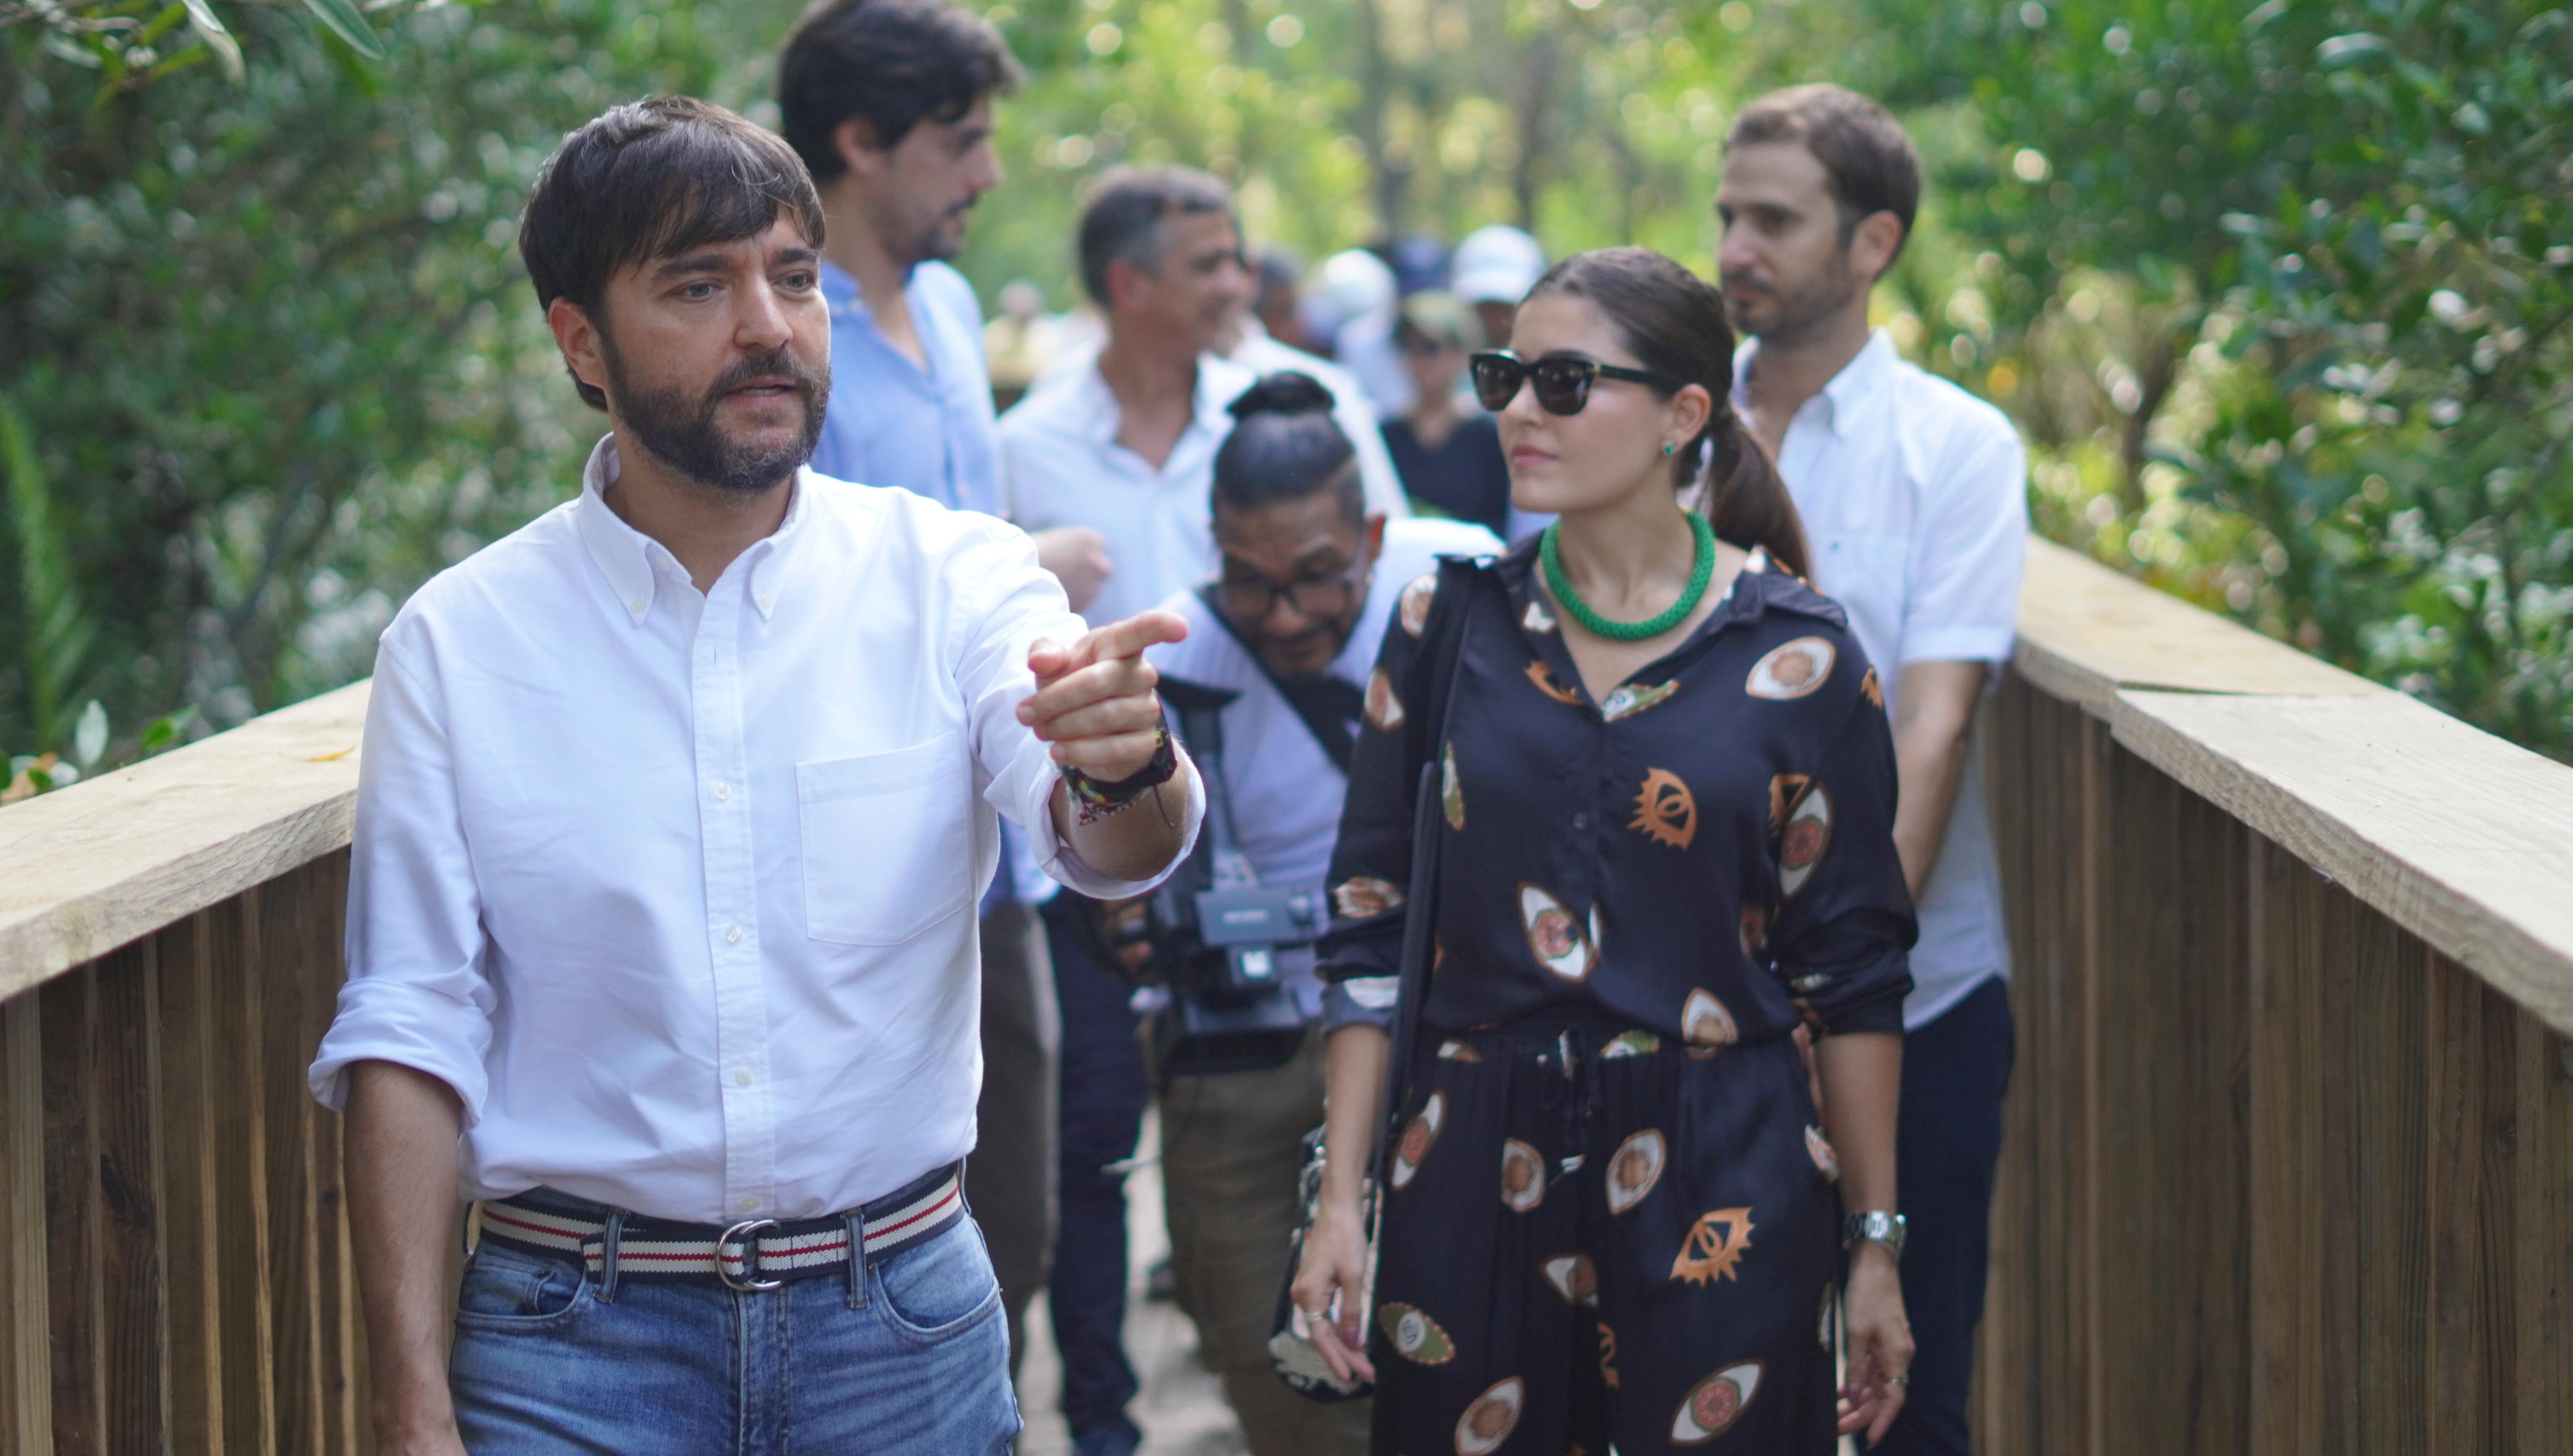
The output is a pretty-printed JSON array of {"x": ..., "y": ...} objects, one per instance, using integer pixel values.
[{"x": 1283, "y": 392}]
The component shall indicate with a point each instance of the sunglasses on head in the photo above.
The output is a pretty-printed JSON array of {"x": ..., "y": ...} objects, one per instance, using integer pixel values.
[{"x": 1562, "y": 381}]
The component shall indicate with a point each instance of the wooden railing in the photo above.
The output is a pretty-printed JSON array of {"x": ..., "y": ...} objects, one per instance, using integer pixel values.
[
  {"x": 177, "y": 1277},
  {"x": 2289, "y": 1166},
  {"x": 2289, "y": 1161}
]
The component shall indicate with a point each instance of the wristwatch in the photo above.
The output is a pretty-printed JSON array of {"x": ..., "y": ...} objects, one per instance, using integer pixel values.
[{"x": 1876, "y": 1227}]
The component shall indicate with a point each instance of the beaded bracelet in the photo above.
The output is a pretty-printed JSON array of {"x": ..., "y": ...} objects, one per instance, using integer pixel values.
[{"x": 1093, "y": 801}]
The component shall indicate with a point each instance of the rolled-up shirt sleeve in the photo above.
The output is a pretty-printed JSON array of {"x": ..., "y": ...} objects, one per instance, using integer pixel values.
[
  {"x": 416, "y": 993},
  {"x": 1007, "y": 604},
  {"x": 1968, "y": 556},
  {"x": 1842, "y": 940}
]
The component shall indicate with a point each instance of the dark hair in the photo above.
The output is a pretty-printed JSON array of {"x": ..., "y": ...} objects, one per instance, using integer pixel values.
[
  {"x": 1674, "y": 323},
  {"x": 889, "y": 63},
  {"x": 1862, "y": 149},
  {"x": 651, "y": 178},
  {"x": 1285, "y": 446},
  {"x": 1121, "y": 221}
]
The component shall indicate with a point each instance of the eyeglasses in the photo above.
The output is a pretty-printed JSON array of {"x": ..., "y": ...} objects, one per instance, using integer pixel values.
[
  {"x": 1562, "y": 381},
  {"x": 1251, "y": 598}
]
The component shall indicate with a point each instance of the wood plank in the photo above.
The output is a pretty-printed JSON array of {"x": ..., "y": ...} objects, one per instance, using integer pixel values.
[
  {"x": 72, "y": 1213},
  {"x": 191, "y": 1233},
  {"x": 2476, "y": 869},
  {"x": 2087, "y": 1252},
  {"x": 2394, "y": 1332},
  {"x": 2000, "y": 1414},
  {"x": 2541, "y": 1254},
  {"x": 2284, "y": 1197},
  {"x": 111, "y": 859},
  {"x": 2342, "y": 1010},
  {"x": 335, "y": 1291},
  {"x": 286, "y": 906},
  {"x": 240, "y": 1166},
  {"x": 26, "y": 1322},
  {"x": 2454, "y": 1095},
  {"x": 2086, "y": 632},
  {"x": 133, "y": 1339}
]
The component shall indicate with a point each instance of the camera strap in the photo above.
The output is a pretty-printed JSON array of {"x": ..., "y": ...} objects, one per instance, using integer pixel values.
[{"x": 1327, "y": 706}]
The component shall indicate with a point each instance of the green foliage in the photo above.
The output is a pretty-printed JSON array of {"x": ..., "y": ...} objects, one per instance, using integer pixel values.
[
  {"x": 270, "y": 342},
  {"x": 2278, "y": 293}
]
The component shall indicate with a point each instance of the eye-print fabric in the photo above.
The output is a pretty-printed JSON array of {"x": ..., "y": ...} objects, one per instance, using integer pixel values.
[{"x": 1607, "y": 1124}]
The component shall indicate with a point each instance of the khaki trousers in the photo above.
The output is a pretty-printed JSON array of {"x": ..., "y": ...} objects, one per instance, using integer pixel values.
[
  {"x": 1229, "y": 1150},
  {"x": 1008, "y": 1178}
]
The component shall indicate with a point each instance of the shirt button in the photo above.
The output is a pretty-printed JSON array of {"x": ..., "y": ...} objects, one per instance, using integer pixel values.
[
  {"x": 722, "y": 789},
  {"x": 742, "y": 1075},
  {"x": 640, "y": 603},
  {"x": 732, "y": 935},
  {"x": 1581, "y": 821},
  {"x": 749, "y": 1204}
]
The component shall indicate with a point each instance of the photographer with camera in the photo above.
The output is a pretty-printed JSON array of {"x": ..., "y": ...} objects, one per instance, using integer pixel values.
[{"x": 1268, "y": 690}]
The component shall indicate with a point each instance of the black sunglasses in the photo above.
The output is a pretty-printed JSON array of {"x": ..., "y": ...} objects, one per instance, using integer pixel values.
[{"x": 1562, "y": 381}]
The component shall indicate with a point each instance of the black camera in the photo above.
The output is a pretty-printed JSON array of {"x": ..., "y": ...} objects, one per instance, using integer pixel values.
[{"x": 1215, "y": 932}]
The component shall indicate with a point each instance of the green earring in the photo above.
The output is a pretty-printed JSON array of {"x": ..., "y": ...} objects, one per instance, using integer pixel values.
[{"x": 1669, "y": 449}]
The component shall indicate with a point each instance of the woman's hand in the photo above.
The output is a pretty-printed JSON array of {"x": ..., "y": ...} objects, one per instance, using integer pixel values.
[
  {"x": 1880, "y": 1343},
  {"x": 1332, "y": 1276}
]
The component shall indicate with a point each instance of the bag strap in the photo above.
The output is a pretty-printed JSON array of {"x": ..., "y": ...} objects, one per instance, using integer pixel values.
[{"x": 1446, "y": 649}]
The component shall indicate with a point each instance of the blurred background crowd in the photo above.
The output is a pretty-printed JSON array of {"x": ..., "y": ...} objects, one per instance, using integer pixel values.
[{"x": 2278, "y": 294}]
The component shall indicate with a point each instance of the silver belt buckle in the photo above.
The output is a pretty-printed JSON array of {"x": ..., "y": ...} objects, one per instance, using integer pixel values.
[{"x": 741, "y": 1233}]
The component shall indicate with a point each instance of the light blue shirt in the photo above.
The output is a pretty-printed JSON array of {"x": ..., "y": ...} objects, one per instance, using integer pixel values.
[
  {"x": 927, "y": 430},
  {"x": 922, "y": 427}
]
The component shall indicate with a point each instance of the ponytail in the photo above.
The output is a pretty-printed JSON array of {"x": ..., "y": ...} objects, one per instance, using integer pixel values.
[
  {"x": 1675, "y": 323},
  {"x": 1745, "y": 498}
]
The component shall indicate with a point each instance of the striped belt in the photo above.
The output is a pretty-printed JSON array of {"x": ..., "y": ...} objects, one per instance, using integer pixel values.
[{"x": 756, "y": 1253}]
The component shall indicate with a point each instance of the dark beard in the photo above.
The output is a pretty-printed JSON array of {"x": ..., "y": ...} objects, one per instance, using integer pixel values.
[
  {"x": 1801, "y": 313},
  {"x": 681, "y": 432}
]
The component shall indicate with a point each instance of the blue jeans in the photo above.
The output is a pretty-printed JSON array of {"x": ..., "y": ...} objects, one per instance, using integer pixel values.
[{"x": 914, "y": 1360}]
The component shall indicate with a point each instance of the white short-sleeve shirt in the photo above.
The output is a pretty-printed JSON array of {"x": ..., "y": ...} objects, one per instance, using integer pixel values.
[{"x": 1914, "y": 495}]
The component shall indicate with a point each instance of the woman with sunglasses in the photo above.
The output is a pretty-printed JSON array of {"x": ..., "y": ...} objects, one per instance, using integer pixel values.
[{"x": 1614, "y": 1215}]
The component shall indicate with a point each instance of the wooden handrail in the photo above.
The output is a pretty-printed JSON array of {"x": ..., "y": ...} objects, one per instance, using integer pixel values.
[
  {"x": 107, "y": 861},
  {"x": 2461, "y": 837},
  {"x": 2458, "y": 835}
]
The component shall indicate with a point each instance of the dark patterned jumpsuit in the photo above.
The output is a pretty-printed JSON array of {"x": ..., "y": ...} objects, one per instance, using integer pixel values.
[{"x": 1612, "y": 1216}]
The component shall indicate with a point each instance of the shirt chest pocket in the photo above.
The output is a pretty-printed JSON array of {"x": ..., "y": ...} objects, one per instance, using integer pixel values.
[{"x": 888, "y": 842}]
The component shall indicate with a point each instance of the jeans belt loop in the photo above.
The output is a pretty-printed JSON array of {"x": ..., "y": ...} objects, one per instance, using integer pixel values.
[
  {"x": 610, "y": 1239},
  {"x": 857, "y": 1220}
]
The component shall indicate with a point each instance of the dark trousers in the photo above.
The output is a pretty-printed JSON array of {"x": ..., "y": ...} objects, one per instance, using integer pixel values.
[
  {"x": 1102, "y": 1098},
  {"x": 1954, "y": 1071}
]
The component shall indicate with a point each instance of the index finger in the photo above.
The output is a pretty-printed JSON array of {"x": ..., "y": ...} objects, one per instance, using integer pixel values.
[{"x": 1130, "y": 637}]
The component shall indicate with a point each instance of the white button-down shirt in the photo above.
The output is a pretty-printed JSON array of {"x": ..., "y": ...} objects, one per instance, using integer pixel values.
[
  {"x": 675, "y": 888},
  {"x": 1282, "y": 785},
  {"x": 1061, "y": 466},
  {"x": 1915, "y": 499}
]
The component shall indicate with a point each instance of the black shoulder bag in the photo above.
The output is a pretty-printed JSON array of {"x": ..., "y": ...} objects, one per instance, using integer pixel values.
[{"x": 1290, "y": 1352}]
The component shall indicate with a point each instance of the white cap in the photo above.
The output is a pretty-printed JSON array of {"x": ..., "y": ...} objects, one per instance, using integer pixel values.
[
  {"x": 1353, "y": 284},
  {"x": 1499, "y": 263}
]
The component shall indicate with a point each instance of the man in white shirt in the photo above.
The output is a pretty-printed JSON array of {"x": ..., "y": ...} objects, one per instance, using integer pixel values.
[
  {"x": 675, "y": 811},
  {"x": 1914, "y": 496},
  {"x": 1290, "y": 627},
  {"x": 889, "y": 103}
]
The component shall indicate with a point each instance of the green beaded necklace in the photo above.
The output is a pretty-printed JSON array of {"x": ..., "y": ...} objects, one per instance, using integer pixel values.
[{"x": 1551, "y": 556}]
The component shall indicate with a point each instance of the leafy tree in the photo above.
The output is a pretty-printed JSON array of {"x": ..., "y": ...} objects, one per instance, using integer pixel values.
[{"x": 2284, "y": 291}]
